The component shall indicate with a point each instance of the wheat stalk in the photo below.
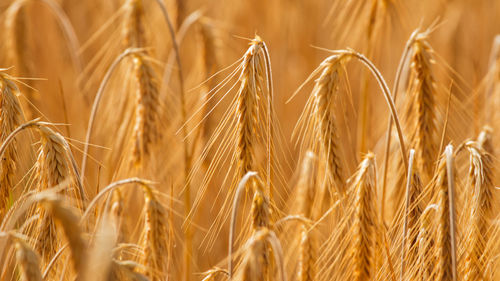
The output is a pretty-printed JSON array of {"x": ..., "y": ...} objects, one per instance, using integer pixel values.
[{"x": 411, "y": 215}]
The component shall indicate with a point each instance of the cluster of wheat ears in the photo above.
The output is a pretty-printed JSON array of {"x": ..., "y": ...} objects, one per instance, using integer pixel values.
[{"x": 161, "y": 149}]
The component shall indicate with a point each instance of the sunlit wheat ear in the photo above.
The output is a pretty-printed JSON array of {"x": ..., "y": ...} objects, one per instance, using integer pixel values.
[
  {"x": 420, "y": 111},
  {"x": 69, "y": 221},
  {"x": 53, "y": 168},
  {"x": 246, "y": 129},
  {"x": 365, "y": 219},
  {"x": 425, "y": 245},
  {"x": 11, "y": 116},
  {"x": 326, "y": 90},
  {"x": 308, "y": 255},
  {"x": 257, "y": 260},
  {"x": 146, "y": 128},
  {"x": 247, "y": 112},
  {"x": 442, "y": 184},
  {"x": 28, "y": 261},
  {"x": 98, "y": 263},
  {"x": 155, "y": 241},
  {"x": 212, "y": 273},
  {"x": 133, "y": 24},
  {"x": 260, "y": 206},
  {"x": 481, "y": 186},
  {"x": 306, "y": 186},
  {"x": 125, "y": 270}
]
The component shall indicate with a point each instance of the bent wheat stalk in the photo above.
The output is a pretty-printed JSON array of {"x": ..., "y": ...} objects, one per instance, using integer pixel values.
[
  {"x": 97, "y": 101},
  {"x": 387, "y": 95}
]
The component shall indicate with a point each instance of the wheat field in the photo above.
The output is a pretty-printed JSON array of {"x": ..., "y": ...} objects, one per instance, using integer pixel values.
[{"x": 248, "y": 140}]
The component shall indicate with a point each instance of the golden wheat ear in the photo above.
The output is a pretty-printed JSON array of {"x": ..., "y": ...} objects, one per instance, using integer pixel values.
[
  {"x": 69, "y": 221},
  {"x": 55, "y": 167},
  {"x": 98, "y": 264},
  {"x": 133, "y": 24},
  {"x": 247, "y": 127},
  {"x": 212, "y": 273},
  {"x": 257, "y": 262},
  {"x": 126, "y": 270},
  {"x": 11, "y": 116},
  {"x": 27, "y": 260},
  {"x": 420, "y": 112},
  {"x": 364, "y": 221},
  {"x": 426, "y": 260},
  {"x": 146, "y": 129},
  {"x": 306, "y": 187},
  {"x": 480, "y": 185},
  {"x": 155, "y": 241},
  {"x": 420, "y": 116},
  {"x": 308, "y": 255},
  {"x": 443, "y": 185},
  {"x": 317, "y": 124}
]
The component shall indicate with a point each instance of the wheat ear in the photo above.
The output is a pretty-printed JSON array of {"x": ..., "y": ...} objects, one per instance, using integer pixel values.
[
  {"x": 420, "y": 106},
  {"x": 481, "y": 185},
  {"x": 306, "y": 186},
  {"x": 260, "y": 206},
  {"x": 11, "y": 116},
  {"x": 125, "y": 270},
  {"x": 69, "y": 222},
  {"x": 325, "y": 92},
  {"x": 307, "y": 261},
  {"x": 257, "y": 261},
  {"x": 133, "y": 29},
  {"x": 445, "y": 244},
  {"x": 28, "y": 261},
  {"x": 146, "y": 131},
  {"x": 425, "y": 261},
  {"x": 155, "y": 245},
  {"x": 364, "y": 224}
]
